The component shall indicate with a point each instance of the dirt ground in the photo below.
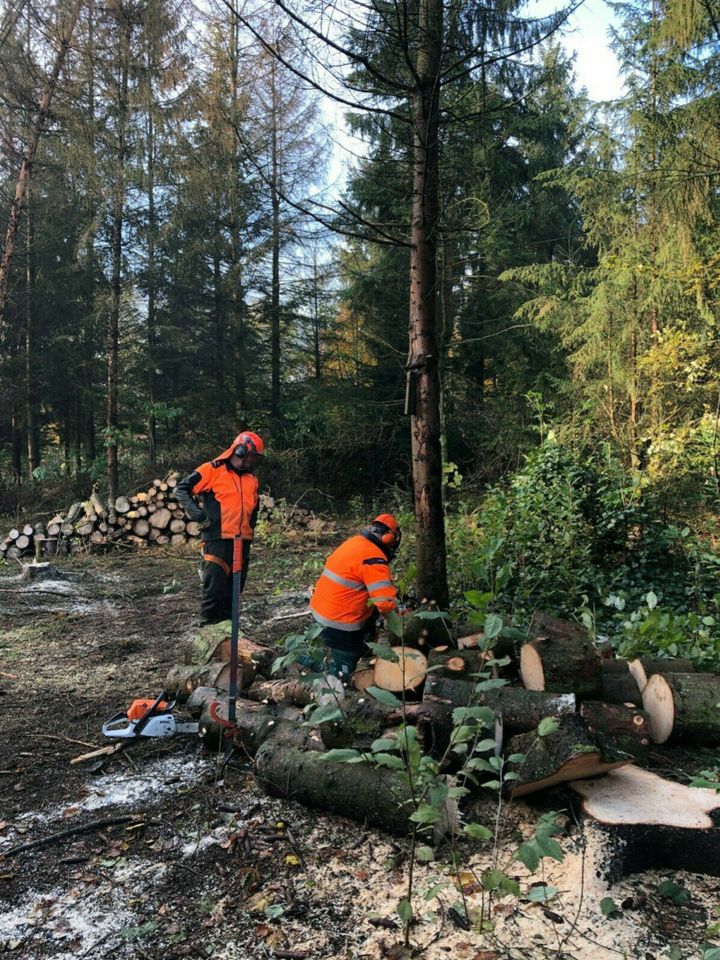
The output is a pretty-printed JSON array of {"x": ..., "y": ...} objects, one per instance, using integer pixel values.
[{"x": 181, "y": 860}]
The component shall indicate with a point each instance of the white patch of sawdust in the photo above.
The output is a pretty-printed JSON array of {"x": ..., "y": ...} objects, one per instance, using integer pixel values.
[
  {"x": 70, "y": 921},
  {"x": 125, "y": 788},
  {"x": 218, "y": 835}
]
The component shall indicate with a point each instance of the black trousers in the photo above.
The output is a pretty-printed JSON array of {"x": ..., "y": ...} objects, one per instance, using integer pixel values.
[{"x": 216, "y": 601}]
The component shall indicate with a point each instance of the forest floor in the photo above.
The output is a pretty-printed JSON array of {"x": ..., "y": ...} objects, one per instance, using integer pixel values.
[{"x": 212, "y": 867}]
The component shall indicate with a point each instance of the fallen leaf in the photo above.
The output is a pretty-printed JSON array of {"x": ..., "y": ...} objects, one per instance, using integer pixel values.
[
  {"x": 291, "y": 860},
  {"x": 70, "y": 812},
  {"x": 262, "y": 930}
]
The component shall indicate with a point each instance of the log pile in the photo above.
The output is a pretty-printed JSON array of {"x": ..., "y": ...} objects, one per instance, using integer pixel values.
[
  {"x": 572, "y": 715},
  {"x": 148, "y": 517}
]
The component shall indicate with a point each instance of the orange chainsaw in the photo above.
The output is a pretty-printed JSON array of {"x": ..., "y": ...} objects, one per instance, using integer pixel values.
[{"x": 147, "y": 718}]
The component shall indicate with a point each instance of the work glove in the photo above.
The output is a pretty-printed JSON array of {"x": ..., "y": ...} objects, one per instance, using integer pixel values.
[{"x": 204, "y": 521}]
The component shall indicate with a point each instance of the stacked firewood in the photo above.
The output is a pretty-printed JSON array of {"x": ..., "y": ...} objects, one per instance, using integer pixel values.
[
  {"x": 146, "y": 517},
  {"x": 151, "y": 516},
  {"x": 571, "y": 710}
]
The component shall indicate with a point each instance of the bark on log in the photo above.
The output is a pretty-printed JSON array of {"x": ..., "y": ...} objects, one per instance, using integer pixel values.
[
  {"x": 182, "y": 680},
  {"x": 559, "y": 657},
  {"x": 361, "y": 791},
  {"x": 567, "y": 753},
  {"x": 644, "y": 667},
  {"x": 618, "y": 683},
  {"x": 684, "y": 706},
  {"x": 644, "y": 822},
  {"x": 407, "y": 673},
  {"x": 521, "y": 710},
  {"x": 213, "y": 643},
  {"x": 426, "y": 633},
  {"x": 618, "y": 725},
  {"x": 292, "y": 691}
]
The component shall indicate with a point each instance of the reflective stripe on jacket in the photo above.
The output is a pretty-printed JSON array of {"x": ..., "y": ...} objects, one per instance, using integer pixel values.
[{"x": 355, "y": 573}]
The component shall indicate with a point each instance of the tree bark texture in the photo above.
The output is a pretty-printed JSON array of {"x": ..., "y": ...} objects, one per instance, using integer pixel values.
[
  {"x": 425, "y": 424},
  {"x": 560, "y": 656},
  {"x": 569, "y": 752},
  {"x": 361, "y": 791},
  {"x": 618, "y": 725}
]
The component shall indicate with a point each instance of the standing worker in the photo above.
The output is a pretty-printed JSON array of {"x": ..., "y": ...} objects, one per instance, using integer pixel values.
[
  {"x": 226, "y": 507},
  {"x": 355, "y": 586}
]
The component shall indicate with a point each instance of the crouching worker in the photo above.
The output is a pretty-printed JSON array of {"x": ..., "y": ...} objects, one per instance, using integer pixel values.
[
  {"x": 355, "y": 586},
  {"x": 222, "y": 496}
]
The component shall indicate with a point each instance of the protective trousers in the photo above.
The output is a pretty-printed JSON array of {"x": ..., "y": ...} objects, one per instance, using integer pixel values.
[{"x": 216, "y": 602}]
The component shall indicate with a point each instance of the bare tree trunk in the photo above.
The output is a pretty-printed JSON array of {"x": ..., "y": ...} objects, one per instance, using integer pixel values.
[
  {"x": 19, "y": 201},
  {"x": 116, "y": 282},
  {"x": 31, "y": 426},
  {"x": 151, "y": 278},
  {"x": 423, "y": 353},
  {"x": 275, "y": 297},
  {"x": 316, "y": 321}
]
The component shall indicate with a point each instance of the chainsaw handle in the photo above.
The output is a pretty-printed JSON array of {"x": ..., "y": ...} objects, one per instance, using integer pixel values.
[{"x": 149, "y": 712}]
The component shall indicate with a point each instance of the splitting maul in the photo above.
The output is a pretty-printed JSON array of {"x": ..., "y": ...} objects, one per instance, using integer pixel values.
[{"x": 147, "y": 718}]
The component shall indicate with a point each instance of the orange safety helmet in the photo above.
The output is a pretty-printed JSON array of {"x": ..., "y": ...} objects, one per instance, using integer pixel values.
[{"x": 386, "y": 528}]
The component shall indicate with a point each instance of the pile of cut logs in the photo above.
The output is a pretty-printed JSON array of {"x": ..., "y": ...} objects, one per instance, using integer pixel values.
[
  {"x": 604, "y": 712},
  {"x": 151, "y": 516}
]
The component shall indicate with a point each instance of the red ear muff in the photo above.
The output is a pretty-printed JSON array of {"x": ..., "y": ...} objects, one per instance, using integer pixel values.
[{"x": 388, "y": 538}]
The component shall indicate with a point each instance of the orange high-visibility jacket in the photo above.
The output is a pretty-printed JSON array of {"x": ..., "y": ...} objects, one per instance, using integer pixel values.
[
  {"x": 354, "y": 574},
  {"x": 229, "y": 499}
]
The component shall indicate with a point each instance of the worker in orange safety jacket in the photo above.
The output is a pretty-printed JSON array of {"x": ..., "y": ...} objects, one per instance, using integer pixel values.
[
  {"x": 354, "y": 588},
  {"x": 222, "y": 496}
]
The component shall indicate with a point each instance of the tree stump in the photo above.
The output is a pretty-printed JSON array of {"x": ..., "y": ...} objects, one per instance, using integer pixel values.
[{"x": 644, "y": 822}]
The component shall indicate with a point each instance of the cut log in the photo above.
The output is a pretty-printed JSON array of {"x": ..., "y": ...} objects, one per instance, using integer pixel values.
[
  {"x": 182, "y": 680},
  {"x": 12, "y": 552},
  {"x": 362, "y": 791},
  {"x": 122, "y": 505},
  {"x": 53, "y": 529},
  {"x": 255, "y": 722},
  {"x": 644, "y": 822},
  {"x": 427, "y": 632},
  {"x": 213, "y": 643},
  {"x": 22, "y": 542},
  {"x": 177, "y": 526},
  {"x": 141, "y": 528},
  {"x": 683, "y": 706},
  {"x": 13, "y": 534},
  {"x": 459, "y": 664},
  {"x": 618, "y": 725},
  {"x": 559, "y": 657},
  {"x": 160, "y": 519},
  {"x": 294, "y": 691},
  {"x": 363, "y": 675},
  {"x": 618, "y": 683},
  {"x": 84, "y": 529},
  {"x": 643, "y": 668},
  {"x": 567, "y": 753},
  {"x": 407, "y": 673},
  {"x": 192, "y": 529},
  {"x": 28, "y": 530},
  {"x": 521, "y": 710}
]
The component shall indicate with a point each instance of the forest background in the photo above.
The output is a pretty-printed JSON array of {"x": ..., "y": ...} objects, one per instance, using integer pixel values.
[{"x": 181, "y": 268}]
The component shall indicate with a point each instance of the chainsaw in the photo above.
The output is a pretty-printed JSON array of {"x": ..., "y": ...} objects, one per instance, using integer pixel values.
[{"x": 147, "y": 718}]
